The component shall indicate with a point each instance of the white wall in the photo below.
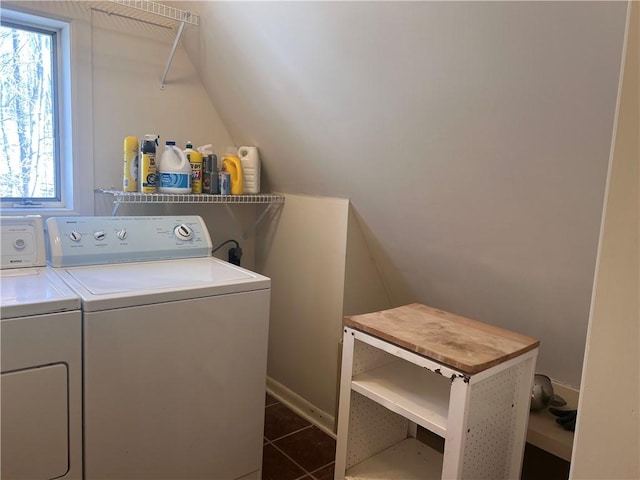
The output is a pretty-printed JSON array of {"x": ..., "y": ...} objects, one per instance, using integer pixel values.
[
  {"x": 303, "y": 252},
  {"x": 472, "y": 139},
  {"x": 607, "y": 439}
]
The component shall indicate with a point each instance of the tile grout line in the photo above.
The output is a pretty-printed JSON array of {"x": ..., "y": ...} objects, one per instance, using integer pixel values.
[
  {"x": 296, "y": 463},
  {"x": 307, "y": 472},
  {"x": 323, "y": 466},
  {"x": 272, "y": 443},
  {"x": 304, "y": 471},
  {"x": 290, "y": 433}
]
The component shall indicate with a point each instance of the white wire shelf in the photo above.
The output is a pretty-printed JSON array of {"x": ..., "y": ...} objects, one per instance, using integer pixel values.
[
  {"x": 162, "y": 10},
  {"x": 137, "y": 197},
  {"x": 267, "y": 199}
]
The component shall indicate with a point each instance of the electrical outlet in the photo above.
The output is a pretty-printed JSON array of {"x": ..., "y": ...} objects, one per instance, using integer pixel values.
[{"x": 235, "y": 255}]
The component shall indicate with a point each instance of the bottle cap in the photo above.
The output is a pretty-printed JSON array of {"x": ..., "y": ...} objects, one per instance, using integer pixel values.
[
  {"x": 205, "y": 149},
  {"x": 189, "y": 145},
  {"x": 170, "y": 142}
]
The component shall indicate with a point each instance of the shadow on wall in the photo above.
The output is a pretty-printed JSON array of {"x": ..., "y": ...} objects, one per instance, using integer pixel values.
[
  {"x": 372, "y": 281},
  {"x": 266, "y": 232}
]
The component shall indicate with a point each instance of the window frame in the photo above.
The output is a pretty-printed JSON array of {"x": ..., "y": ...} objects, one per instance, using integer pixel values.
[{"x": 73, "y": 87}]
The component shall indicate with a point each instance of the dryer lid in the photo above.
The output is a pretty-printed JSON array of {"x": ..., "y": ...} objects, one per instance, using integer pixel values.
[{"x": 34, "y": 291}]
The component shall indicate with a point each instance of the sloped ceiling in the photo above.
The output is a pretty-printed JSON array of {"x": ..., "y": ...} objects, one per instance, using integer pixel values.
[{"x": 472, "y": 139}]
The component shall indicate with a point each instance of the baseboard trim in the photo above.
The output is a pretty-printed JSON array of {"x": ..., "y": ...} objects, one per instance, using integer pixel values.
[{"x": 302, "y": 407}]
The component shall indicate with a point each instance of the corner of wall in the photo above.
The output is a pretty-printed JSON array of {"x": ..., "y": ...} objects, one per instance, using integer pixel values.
[
  {"x": 372, "y": 279},
  {"x": 364, "y": 288},
  {"x": 606, "y": 446}
]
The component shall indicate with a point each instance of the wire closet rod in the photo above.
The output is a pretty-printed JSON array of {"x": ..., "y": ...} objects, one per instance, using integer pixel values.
[
  {"x": 120, "y": 15},
  {"x": 161, "y": 10},
  {"x": 155, "y": 8}
]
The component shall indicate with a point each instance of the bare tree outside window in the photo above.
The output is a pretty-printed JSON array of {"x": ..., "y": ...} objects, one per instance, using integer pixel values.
[{"x": 29, "y": 168}]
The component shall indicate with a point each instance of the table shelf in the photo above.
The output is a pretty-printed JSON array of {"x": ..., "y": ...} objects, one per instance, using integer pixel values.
[
  {"x": 409, "y": 390},
  {"x": 406, "y": 460},
  {"x": 468, "y": 382}
]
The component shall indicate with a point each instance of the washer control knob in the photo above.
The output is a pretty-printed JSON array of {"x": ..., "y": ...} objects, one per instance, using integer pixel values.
[
  {"x": 75, "y": 236},
  {"x": 122, "y": 233},
  {"x": 99, "y": 235},
  {"x": 183, "y": 232},
  {"x": 19, "y": 244}
]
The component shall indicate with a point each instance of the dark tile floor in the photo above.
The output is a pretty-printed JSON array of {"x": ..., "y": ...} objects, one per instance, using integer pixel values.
[{"x": 294, "y": 448}]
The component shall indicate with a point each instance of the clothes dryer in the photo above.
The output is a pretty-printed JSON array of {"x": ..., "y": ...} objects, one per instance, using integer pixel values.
[
  {"x": 175, "y": 348},
  {"x": 41, "y": 379}
]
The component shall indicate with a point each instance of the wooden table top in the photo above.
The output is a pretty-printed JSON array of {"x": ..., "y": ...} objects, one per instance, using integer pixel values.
[{"x": 461, "y": 343}]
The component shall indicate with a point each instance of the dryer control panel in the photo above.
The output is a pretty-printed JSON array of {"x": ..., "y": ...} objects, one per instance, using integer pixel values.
[
  {"x": 22, "y": 242},
  {"x": 98, "y": 240}
]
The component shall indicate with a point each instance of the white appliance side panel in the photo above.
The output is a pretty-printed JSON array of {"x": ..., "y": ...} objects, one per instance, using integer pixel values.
[
  {"x": 35, "y": 424},
  {"x": 42, "y": 340},
  {"x": 176, "y": 390}
]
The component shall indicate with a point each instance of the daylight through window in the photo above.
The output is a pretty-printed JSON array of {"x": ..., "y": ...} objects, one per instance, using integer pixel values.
[{"x": 30, "y": 166}]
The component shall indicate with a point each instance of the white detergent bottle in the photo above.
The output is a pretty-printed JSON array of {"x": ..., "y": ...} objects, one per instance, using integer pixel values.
[
  {"x": 174, "y": 170},
  {"x": 250, "y": 169}
]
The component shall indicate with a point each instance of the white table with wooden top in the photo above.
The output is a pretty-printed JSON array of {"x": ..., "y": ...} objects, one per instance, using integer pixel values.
[{"x": 464, "y": 380}]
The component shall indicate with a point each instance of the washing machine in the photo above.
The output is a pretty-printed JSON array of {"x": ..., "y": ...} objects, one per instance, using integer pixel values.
[
  {"x": 40, "y": 360},
  {"x": 175, "y": 348}
]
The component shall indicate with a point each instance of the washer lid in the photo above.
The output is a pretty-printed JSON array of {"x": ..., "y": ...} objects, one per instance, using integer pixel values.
[
  {"x": 104, "y": 287},
  {"x": 34, "y": 291}
]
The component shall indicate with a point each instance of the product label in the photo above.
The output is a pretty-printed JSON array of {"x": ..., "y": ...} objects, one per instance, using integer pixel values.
[
  {"x": 130, "y": 178},
  {"x": 150, "y": 181},
  {"x": 196, "y": 171},
  {"x": 133, "y": 169},
  {"x": 224, "y": 184},
  {"x": 175, "y": 180},
  {"x": 196, "y": 177},
  {"x": 148, "y": 173}
]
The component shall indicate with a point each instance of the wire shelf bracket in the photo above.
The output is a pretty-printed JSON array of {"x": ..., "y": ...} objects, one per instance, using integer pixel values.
[{"x": 165, "y": 11}]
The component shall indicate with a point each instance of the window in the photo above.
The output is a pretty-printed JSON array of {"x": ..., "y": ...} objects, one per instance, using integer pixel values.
[
  {"x": 39, "y": 172},
  {"x": 28, "y": 120}
]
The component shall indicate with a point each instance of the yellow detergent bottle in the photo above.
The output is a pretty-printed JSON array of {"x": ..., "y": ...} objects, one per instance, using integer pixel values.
[
  {"x": 195, "y": 159},
  {"x": 231, "y": 163},
  {"x": 130, "y": 177}
]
